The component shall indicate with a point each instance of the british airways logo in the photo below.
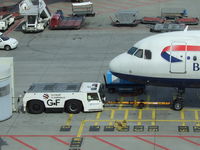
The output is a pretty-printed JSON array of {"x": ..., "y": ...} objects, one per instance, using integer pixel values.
[{"x": 172, "y": 59}]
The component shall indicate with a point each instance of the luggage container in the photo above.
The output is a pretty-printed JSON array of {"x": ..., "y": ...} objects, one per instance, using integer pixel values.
[
  {"x": 83, "y": 9},
  {"x": 125, "y": 18}
]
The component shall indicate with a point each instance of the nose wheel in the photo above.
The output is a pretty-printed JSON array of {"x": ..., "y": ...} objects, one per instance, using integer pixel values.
[{"x": 178, "y": 103}]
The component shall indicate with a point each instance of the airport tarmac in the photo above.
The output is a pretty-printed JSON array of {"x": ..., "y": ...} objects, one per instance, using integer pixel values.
[{"x": 84, "y": 55}]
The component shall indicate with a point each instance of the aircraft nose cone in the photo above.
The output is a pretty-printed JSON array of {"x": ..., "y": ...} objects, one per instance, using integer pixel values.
[{"x": 114, "y": 65}]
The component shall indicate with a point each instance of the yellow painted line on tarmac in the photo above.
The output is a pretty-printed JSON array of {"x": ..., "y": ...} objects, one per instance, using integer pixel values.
[
  {"x": 196, "y": 113},
  {"x": 121, "y": 99},
  {"x": 150, "y": 120},
  {"x": 148, "y": 100},
  {"x": 139, "y": 117},
  {"x": 153, "y": 114},
  {"x": 80, "y": 131},
  {"x": 97, "y": 118},
  {"x": 69, "y": 120},
  {"x": 112, "y": 115},
  {"x": 126, "y": 114},
  {"x": 182, "y": 117},
  {"x": 135, "y": 99}
]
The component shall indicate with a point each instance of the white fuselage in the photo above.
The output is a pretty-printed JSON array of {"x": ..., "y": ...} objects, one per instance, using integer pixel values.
[{"x": 168, "y": 59}]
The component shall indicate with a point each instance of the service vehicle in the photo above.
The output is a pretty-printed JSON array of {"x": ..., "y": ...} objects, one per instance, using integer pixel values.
[
  {"x": 7, "y": 43},
  {"x": 36, "y": 13},
  {"x": 69, "y": 97},
  {"x": 115, "y": 84},
  {"x": 6, "y": 21},
  {"x": 59, "y": 21}
]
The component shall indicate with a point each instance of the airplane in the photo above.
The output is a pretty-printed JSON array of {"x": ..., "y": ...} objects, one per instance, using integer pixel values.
[{"x": 168, "y": 59}]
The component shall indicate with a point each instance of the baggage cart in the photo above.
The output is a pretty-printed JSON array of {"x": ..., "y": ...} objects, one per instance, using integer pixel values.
[
  {"x": 172, "y": 13},
  {"x": 83, "y": 9},
  {"x": 188, "y": 21},
  {"x": 125, "y": 18},
  {"x": 167, "y": 27},
  {"x": 152, "y": 20}
]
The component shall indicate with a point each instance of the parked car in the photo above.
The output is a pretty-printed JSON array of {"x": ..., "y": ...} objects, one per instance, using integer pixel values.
[{"x": 7, "y": 43}]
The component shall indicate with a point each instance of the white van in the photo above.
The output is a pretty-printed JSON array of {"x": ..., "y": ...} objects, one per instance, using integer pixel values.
[{"x": 7, "y": 43}]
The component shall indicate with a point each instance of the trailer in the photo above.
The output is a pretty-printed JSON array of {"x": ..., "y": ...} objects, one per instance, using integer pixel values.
[
  {"x": 6, "y": 21},
  {"x": 115, "y": 84},
  {"x": 172, "y": 13},
  {"x": 187, "y": 21},
  {"x": 152, "y": 20},
  {"x": 68, "y": 97},
  {"x": 37, "y": 15},
  {"x": 167, "y": 27},
  {"x": 83, "y": 9},
  {"x": 59, "y": 21},
  {"x": 125, "y": 18}
]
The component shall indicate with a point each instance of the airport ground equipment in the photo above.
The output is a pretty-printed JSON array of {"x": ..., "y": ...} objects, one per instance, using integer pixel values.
[
  {"x": 7, "y": 43},
  {"x": 114, "y": 84},
  {"x": 187, "y": 21},
  {"x": 6, "y": 21},
  {"x": 36, "y": 13},
  {"x": 125, "y": 18},
  {"x": 172, "y": 13},
  {"x": 69, "y": 97},
  {"x": 83, "y": 9},
  {"x": 59, "y": 21},
  {"x": 152, "y": 20},
  {"x": 167, "y": 27}
]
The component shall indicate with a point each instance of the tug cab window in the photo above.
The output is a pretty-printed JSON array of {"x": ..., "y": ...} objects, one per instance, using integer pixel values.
[
  {"x": 139, "y": 53},
  {"x": 92, "y": 96},
  {"x": 132, "y": 50},
  {"x": 147, "y": 54}
]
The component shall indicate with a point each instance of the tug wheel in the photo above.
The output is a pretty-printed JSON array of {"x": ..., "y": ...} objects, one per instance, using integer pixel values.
[
  {"x": 35, "y": 107},
  {"x": 73, "y": 106}
]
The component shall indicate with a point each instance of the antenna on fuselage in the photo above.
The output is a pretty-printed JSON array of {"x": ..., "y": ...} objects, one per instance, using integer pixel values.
[{"x": 186, "y": 28}]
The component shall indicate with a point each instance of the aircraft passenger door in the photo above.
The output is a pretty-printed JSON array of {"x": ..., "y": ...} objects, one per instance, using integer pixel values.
[{"x": 178, "y": 54}]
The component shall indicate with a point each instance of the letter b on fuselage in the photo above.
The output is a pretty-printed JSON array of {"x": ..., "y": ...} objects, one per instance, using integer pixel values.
[{"x": 196, "y": 67}]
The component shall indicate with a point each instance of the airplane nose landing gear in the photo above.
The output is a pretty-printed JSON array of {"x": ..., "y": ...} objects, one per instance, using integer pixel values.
[{"x": 178, "y": 102}]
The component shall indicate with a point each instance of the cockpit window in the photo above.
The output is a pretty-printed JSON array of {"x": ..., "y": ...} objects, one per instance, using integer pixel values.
[
  {"x": 139, "y": 53},
  {"x": 147, "y": 54},
  {"x": 132, "y": 50}
]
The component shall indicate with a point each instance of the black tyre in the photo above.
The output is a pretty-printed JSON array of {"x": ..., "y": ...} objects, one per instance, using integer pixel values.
[
  {"x": 7, "y": 48},
  {"x": 177, "y": 105},
  {"x": 35, "y": 107},
  {"x": 73, "y": 106}
]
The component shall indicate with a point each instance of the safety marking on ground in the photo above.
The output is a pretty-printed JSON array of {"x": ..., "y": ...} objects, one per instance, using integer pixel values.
[
  {"x": 182, "y": 117},
  {"x": 112, "y": 115},
  {"x": 65, "y": 128},
  {"x": 97, "y": 118},
  {"x": 59, "y": 140},
  {"x": 69, "y": 120},
  {"x": 183, "y": 128},
  {"x": 138, "y": 128},
  {"x": 76, "y": 142},
  {"x": 196, "y": 114},
  {"x": 121, "y": 99},
  {"x": 148, "y": 100},
  {"x": 126, "y": 114},
  {"x": 81, "y": 128},
  {"x": 124, "y": 129},
  {"x": 153, "y": 128},
  {"x": 135, "y": 99},
  {"x": 190, "y": 141},
  {"x": 153, "y": 123},
  {"x": 109, "y": 128},
  {"x": 94, "y": 128},
  {"x": 196, "y": 128},
  {"x": 139, "y": 117}
]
